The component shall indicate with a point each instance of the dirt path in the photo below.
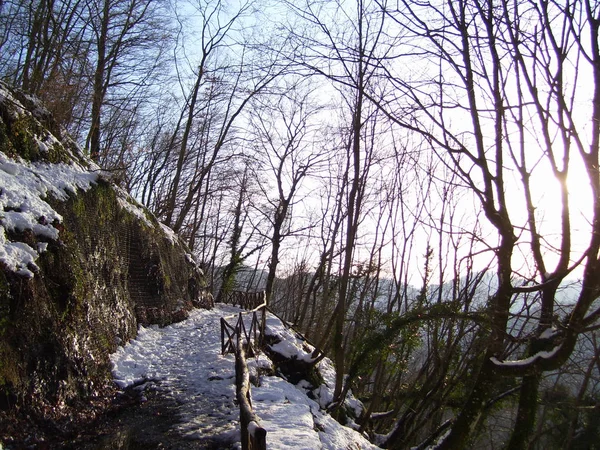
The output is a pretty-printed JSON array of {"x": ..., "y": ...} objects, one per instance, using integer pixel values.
[
  {"x": 152, "y": 424},
  {"x": 136, "y": 420}
]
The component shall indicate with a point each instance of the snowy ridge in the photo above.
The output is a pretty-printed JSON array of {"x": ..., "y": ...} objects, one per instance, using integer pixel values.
[
  {"x": 183, "y": 361},
  {"x": 15, "y": 109},
  {"x": 25, "y": 187},
  {"x": 129, "y": 204}
]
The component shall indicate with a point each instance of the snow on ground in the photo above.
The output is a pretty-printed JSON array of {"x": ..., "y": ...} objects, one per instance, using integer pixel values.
[
  {"x": 292, "y": 345},
  {"x": 185, "y": 362}
]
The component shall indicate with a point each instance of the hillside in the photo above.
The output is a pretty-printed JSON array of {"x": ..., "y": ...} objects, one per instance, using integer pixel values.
[
  {"x": 81, "y": 267},
  {"x": 89, "y": 285}
]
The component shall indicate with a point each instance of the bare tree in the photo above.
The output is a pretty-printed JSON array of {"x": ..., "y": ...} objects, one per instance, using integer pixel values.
[
  {"x": 290, "y": 149},
  {"x": 343, "y": 45},
  {"x": 45, "y": 51},
  {"x": 120, "y": 31},
  {"x": 237, "y": 81},
  {"x": 495, "y": 71},
  {"x": 82, "y": 56},
  {"x": 244, "y": 231}
]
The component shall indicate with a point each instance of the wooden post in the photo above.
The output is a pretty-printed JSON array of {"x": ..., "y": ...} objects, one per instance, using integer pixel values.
[
  {"x": 253, "y": 436},
  {"x": 222, "y": 336}
]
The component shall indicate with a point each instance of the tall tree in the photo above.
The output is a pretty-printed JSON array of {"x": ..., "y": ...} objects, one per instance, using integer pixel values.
[
  {"x": 289, "y": 146},
  {"x": 493, "y": 71},
  {"x": 227, "y": 63},
  {"x": 343, "y": 43},
  {"x": 120, "y": 32},
  {"x": 45, "y": 51},
  {"x": 80, "y": 56},
  {"x": 245, "y": 230}
]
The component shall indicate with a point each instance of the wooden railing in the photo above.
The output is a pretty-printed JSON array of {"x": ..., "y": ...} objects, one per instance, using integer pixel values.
[
  {"x": 252, "y": 336},
  {"x": 240, "y": 339},
  {"x": 245, "y": 300},
  {"x": 254, "y": 437}
]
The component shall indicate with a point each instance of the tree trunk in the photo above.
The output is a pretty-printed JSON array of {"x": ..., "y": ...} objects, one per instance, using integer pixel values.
[{"x": 172, "y": 200}]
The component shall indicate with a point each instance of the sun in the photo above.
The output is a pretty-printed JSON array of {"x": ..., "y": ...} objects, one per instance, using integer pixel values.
[{"x": 548, "y": 211}]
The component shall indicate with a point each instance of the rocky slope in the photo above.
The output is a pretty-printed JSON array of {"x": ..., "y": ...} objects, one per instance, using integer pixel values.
[{"x": 81, "y": 265}]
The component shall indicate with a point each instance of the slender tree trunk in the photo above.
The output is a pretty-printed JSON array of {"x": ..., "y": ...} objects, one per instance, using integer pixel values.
[
  {"x": 525, "y": 421},
  {"x": 351, "y": 224},
  {"x": 274, "y": 260},
  {"x": 172, "y": 200}
]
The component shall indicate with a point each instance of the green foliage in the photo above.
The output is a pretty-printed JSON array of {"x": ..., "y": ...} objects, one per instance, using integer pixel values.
[
  {"x": 22, "y": 141},
  {"x": 230, "y": 272},
  {"x": 590, "y": 425},
  {"x": 383, "y": 341},
  {"x": 562, "y": 410},
  {"x": 395, "y": 335},
  {"x": 5, "y": 144}
]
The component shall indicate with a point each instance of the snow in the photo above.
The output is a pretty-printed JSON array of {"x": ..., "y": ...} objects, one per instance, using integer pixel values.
[
  {"x": 24, "y": 189},
  {"x": 15, "y": 108},
  {"x": 293, "y": 346},
  {"x": 293, "y": 420},
  {"x": 129, "y": 204},
  {"x": 169, "y": 233},
  {"x": 290, "y": 344},
  {"x": 527, "y": 361},
  {"x": 549, "y": 333},
  {"x": 184, "y": 362},
  {"x": 286, "y": 414}
]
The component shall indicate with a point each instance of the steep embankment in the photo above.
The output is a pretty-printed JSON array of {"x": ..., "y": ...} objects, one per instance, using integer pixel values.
[{"x": 81, "y": 265}]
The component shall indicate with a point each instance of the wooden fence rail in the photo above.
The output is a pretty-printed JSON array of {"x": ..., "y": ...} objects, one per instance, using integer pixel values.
[
  {"x": 240, "y": 339},
  {"x": 252, "y": 336},
  {"x": 254, "y": 437},
  {"x": 245, "y": 300}
]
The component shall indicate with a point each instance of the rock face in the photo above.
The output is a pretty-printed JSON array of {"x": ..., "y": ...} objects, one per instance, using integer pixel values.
[{"x": 81, "y": 266}]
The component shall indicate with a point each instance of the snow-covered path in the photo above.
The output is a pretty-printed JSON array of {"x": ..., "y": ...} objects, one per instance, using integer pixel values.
[{"x": 184, "y": 361}]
